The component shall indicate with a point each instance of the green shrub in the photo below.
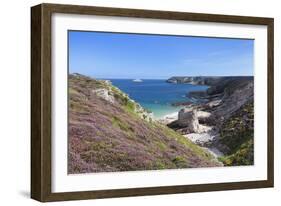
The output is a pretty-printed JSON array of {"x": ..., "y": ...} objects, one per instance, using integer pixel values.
[
  {"x": 121, "y": 124},
  {"x": 180, "y": 161}
]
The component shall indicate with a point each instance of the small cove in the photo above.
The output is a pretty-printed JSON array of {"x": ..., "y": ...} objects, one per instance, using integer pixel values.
[{"x": 156, "y": 95}]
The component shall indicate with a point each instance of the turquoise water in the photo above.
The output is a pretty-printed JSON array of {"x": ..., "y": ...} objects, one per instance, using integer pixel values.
[{"x": 157, "y": 95}]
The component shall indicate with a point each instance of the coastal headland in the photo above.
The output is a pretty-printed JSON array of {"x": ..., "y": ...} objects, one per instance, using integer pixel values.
[{"x": 223, "y": 122}]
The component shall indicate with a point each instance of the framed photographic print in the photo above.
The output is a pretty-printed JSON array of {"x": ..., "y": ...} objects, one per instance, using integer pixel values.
[{"x": 130, "y": 102}]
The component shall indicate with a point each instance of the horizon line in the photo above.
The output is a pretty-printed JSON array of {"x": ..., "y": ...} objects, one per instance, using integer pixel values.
[{"x": 161, "y": 77}]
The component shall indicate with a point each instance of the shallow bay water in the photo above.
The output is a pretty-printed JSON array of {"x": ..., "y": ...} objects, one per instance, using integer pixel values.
[{"x": 156, "y": 95}]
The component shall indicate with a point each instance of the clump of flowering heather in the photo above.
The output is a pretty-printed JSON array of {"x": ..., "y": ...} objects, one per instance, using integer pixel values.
[{"x": 108, "y": 136}]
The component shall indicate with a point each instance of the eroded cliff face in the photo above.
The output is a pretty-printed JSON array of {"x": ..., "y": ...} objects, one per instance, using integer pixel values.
[
  {"x": 110, "y": 132},
  {"x": 222, "y": 99},
  {"x": 233, "y": 98},
  {"x": 229, "y": 105}
]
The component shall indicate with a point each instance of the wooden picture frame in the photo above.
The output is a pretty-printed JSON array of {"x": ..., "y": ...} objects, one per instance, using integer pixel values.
[{"x": 41, "y": 95}]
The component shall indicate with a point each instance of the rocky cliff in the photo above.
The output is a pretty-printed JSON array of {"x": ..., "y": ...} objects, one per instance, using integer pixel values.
[
  {"x": 199, "y": 80},
  {"x": 224, "y": 96},
  {"x": 229, "y": 103},
  {"x": 110, "y": 132},
  {"x": 206, "y": 80}
]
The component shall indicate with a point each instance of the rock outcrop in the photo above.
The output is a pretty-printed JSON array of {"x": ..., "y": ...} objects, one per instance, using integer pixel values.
[
  {"x": 188, "y": 118},
  {"x": 104, "y": 94}
]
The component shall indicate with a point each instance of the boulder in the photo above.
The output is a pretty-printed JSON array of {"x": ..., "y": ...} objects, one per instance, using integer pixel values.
[{"x": 104, "y": 94}]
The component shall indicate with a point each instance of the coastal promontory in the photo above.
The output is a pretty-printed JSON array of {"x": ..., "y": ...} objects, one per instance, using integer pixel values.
[{"x": 224, "y": 121}]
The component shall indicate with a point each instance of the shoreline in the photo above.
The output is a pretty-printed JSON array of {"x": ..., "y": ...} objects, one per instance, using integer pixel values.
[{"x": 168, "y": 118}]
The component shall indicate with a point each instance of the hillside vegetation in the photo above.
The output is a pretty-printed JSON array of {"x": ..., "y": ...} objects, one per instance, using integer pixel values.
[
  {"x": 237, "y": 137},
  {"x": 110, "y": 132}
]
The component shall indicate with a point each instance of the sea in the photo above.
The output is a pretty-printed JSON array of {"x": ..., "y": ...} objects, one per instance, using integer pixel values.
[{"x": 156, "y": 95}]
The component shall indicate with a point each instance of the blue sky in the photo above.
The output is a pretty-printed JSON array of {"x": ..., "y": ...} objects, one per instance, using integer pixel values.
[{"x": 115, "y": 55}]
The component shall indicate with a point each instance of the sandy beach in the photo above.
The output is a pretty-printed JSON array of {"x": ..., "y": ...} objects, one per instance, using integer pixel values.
[
  {"x": 202, "y": 138},
  {"x": 169, "y": 118}
]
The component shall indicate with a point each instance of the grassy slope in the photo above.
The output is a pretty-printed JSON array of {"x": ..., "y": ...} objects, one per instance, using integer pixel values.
[
  {"x": 106, "y": 136},
  {"x": 237, "y": 134}
]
